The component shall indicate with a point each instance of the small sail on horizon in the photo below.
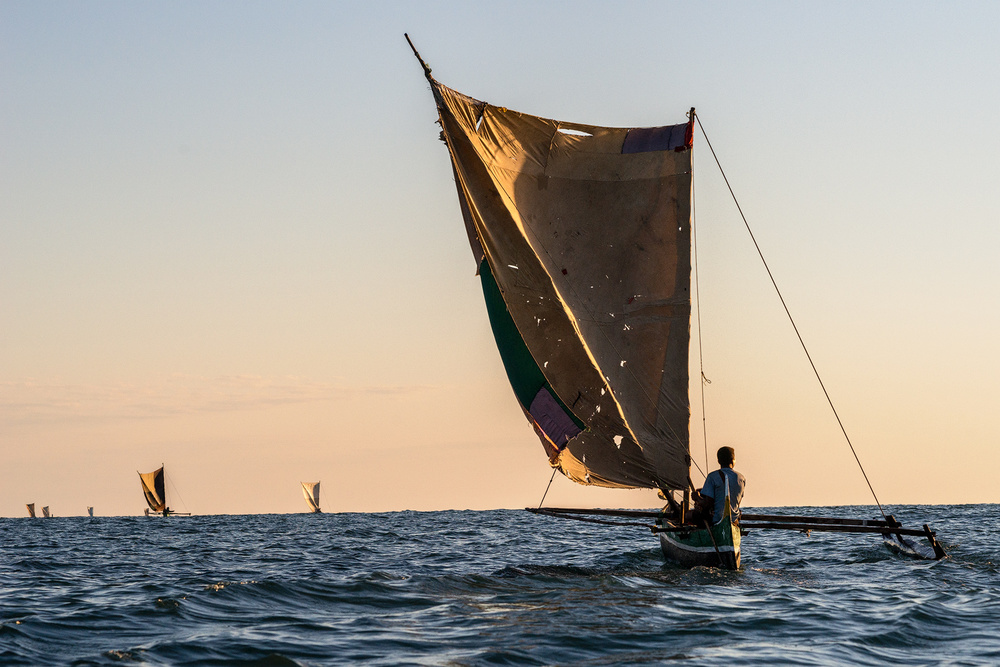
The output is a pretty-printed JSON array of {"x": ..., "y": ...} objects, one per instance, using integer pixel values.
[
  {"x": 31, "y": 510},
  {"x": 90, "y": 511},
  {"x": 45, "y": 512},
  {"x": 154, "y": 492},
  {"x": 310, "y": 490}
]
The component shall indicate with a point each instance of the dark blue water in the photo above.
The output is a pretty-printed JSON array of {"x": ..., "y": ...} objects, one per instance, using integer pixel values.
[{"x": 498, "y": 587}]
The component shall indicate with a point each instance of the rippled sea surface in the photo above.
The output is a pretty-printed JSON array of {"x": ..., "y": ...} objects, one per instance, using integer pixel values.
[{"x": 496, "y": 587}]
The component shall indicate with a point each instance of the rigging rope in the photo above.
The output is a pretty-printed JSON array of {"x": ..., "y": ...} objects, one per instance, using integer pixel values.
[
  {"x": 697, "y": 291},
  {"x": 176, "y": 492},
  {"x": 547, "y": 487},
  {"x": 790, "y": 319}
]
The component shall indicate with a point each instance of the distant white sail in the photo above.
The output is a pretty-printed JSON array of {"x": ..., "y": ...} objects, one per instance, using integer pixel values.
[
  {"x": 45, "y": 512},
  {"x": 31, "y": 510},
  {"x": 90, "y": 511},
  {"x": 311, "y": 492}
]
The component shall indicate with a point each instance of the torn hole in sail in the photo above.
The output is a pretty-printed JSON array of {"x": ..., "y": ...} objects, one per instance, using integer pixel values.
[
  {"x": 575, "y": 133},
  {"x": 618, "y": 441},
  {"x": 480, "y": 115}
]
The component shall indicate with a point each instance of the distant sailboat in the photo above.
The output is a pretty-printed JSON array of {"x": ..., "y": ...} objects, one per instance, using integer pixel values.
[
  {"x": 155, "y": 493},
  {"x": 311, "y": 492},
  {"x": 31, "y": 510},
  {"x": 90, "y": 511},
  {"x": 45, "y": 512}
]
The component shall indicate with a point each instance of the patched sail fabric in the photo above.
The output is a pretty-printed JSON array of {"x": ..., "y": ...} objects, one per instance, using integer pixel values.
[
  {"x": 31, "y": 510},
  {"x": 582, "y": 239},
  {"x": 311, "y": 492},
  {"x": 152, "y": 488}
]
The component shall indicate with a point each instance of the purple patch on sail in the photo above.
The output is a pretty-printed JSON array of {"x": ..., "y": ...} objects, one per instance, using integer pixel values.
[
  {"x": 552, "y": 418},
  {"x": 648, "y": 139}
]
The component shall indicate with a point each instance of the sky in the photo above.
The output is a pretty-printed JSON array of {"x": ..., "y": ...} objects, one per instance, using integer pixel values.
[{"x": 230, "y": 244}]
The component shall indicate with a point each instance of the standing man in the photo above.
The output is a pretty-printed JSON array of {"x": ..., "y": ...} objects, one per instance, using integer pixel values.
[{"x": 715, "y": 484}]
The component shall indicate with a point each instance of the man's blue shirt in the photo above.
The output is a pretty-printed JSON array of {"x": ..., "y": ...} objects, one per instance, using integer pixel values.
[{"x": 715, "y": 488}]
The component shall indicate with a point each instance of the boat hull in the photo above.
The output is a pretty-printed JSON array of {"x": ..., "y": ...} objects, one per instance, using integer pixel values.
[{"x": 718, "y": 546}]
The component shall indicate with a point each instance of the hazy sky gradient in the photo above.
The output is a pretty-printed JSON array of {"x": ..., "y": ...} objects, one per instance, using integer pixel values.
[{"x": 230, "y": 242}]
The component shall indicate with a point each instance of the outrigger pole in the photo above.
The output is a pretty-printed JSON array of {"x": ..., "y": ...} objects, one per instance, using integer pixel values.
[{"x": 888, "y": 528}]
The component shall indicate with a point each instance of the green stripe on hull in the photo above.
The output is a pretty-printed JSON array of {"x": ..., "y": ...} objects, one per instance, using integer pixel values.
[{"x": 720, "y": 548}]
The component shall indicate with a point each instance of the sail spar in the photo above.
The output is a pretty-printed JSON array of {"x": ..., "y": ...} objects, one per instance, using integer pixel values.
[{"x": 582, "y": 239}]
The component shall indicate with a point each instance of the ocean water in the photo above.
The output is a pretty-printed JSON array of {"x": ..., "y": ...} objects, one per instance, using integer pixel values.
[{"x": 492, "y": 587}]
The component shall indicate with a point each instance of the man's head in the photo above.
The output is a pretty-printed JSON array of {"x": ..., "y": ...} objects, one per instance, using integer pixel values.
[{"x": 726, "y": 456}]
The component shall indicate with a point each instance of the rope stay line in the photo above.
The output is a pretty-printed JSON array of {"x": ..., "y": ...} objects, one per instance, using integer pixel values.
[
  {"x": 540, "y": 502},
  {"x": 177, "y": 493},
  {"x": 788, "y": 313},
  {"x": 697, "y": 301}
]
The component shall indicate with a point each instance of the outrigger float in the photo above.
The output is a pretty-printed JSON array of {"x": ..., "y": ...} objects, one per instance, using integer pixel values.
[{"x": 718, "y": 545}]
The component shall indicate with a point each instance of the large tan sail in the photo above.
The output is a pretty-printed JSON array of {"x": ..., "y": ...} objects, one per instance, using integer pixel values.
[{"x": 582, "y": 239}]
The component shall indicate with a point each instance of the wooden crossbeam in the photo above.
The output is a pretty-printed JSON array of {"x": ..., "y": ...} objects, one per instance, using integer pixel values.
[
  {"x": 832, "y": 528},
  {"x": 566, "y": 510},
  {"x": 840, "y": 521}
]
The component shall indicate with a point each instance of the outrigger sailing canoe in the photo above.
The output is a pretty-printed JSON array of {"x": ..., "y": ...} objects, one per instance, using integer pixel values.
[
  {"x": 31, "y": 510},
  {"x": 310, "y": 490},
  {"x": 155, "y": 493},
  {"x": 582, "y": 236}
]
